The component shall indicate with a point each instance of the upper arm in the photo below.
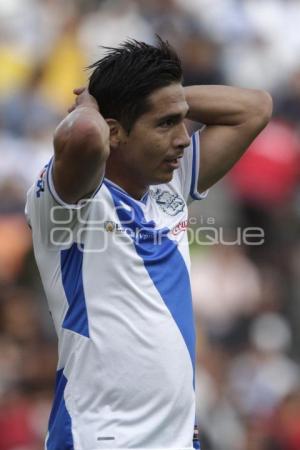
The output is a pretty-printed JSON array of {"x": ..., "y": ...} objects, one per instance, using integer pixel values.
[
  {"x": 52, "y": 223},
  {"x": 223, "y": 145},
  {"x": 81, "y": 147}
]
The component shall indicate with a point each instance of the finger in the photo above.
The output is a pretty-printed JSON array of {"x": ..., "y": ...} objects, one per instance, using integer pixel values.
[{"x": 79, "y": 90}]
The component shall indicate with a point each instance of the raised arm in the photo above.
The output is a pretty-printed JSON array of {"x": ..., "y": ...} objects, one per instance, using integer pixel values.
[
  {"x": 81, "y": 147},
  {"x": 233, "y": 118}
]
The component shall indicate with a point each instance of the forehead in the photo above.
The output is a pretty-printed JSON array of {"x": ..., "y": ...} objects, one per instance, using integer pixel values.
[{"x": 167, "y": 100}]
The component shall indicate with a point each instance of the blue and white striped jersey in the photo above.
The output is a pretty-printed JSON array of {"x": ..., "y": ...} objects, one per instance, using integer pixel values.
[{"x": 116, "y": 272}]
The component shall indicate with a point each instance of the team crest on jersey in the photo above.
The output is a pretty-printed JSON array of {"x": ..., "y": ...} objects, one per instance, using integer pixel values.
[{"x": 171, "y": 204}]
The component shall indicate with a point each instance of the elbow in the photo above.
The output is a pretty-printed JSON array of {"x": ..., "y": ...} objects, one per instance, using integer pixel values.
[
  {"x": 82, "y": 136},
  {"x": 90, "y": 136},
  {"x": 264, "y": 108}
]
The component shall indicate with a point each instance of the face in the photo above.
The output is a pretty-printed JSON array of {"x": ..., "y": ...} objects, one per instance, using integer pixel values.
[{"x": 151, "y": 152}]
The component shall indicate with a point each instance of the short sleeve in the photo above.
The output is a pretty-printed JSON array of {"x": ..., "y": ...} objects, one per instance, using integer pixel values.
[
  {"x": 56, "y": 197},
  {"x": 187, "y": 175},
  {"x": 51, "y": 219}
]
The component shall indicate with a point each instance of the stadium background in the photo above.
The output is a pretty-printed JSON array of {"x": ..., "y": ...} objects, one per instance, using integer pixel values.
[{"x": 246, "y": 297}]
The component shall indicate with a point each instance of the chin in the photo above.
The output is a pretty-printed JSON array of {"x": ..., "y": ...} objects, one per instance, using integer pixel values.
[{"x": 164, "y": 178}]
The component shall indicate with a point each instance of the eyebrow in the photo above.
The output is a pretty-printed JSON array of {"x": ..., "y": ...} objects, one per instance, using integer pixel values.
[{"x": 176, "y": 116}]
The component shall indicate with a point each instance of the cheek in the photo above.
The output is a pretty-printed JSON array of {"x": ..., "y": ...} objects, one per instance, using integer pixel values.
[
  {"x": 159, "y": 147},
  {"x": 154, "y": 154},
  {"x": 150, "y": 149}
]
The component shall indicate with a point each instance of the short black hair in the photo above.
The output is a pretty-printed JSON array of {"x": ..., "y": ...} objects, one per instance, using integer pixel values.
[{"x": 123, "y": 79}]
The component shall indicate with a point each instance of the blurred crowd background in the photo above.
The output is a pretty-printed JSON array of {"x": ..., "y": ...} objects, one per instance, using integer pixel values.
[{"x": 246, "y": 296}]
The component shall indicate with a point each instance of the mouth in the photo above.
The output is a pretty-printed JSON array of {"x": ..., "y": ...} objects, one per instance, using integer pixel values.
[{"x": 173, "y": 163}]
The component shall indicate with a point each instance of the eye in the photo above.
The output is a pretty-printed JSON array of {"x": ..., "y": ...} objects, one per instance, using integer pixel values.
[{"x": 167, "y": 123}]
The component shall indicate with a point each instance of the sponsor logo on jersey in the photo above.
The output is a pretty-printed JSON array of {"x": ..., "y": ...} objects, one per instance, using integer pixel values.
[
  {"x": 180, "y": 227},
  {"x": 40, "y": 184},
  {"x": 139, "y": 234},
  {"x": 113, "y": 227},
  {"x": 171, "y": 204}
]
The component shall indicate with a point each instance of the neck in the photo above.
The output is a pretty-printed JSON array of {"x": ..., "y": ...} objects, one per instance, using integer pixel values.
[{"x": 126, "y": 181}]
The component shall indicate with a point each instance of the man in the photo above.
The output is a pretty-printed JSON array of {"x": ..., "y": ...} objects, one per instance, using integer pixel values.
[{"x": 115, "y": 266}]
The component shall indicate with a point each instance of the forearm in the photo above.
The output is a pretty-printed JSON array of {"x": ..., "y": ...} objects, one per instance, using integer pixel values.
[
  {"x": 226, "y": 105},
  {"x": 234, "y": 117}
]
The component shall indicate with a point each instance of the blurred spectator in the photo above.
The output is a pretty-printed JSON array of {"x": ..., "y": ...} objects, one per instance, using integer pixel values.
[
  {"x": 27, "y": 111},
  {"x": 65, "y": 66},
  {"x": 285, "y": 423},
  {"x": 287, "y": 106},
  {"x": 262, "y": 376},
  {"x": 258, "y": 60},
  {"x": 267, "y": 175},
  {"x": 27, "y": 368},
  {"x": 224, "y": 20},
  {"x": 215, "y": 410},
  {"x": 226, "y": 291},
  {"x": 200, "y": 57},
  {"x": 15, "y": 241},
  {"x": 111, "y": 24},
  {"x": 27, "y": 31}
]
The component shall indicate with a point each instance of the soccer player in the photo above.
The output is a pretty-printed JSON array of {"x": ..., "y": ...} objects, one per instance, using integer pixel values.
[{"x": 109, "y": 217}]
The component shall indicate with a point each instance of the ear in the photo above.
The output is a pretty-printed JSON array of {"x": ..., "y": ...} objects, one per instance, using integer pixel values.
[{"x": 117, "y": 133}]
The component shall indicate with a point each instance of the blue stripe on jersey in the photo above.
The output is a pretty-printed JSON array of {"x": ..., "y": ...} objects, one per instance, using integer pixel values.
[
  {"x": 197, "y": 445},
  {"x": 194, "y": 168},
  {"x": 195, "y": 195},
  {"x": 60, "y": 424},
  {"x": 163, "y": 261},
  {"x": 76, "y": 318}
]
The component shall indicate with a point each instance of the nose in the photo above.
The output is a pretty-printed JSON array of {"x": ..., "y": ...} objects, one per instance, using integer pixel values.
[{"x": 181, "y": 138}]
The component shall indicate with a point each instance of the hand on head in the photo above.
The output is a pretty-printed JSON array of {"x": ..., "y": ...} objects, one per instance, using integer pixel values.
[{"x": 83, "y": 98}]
